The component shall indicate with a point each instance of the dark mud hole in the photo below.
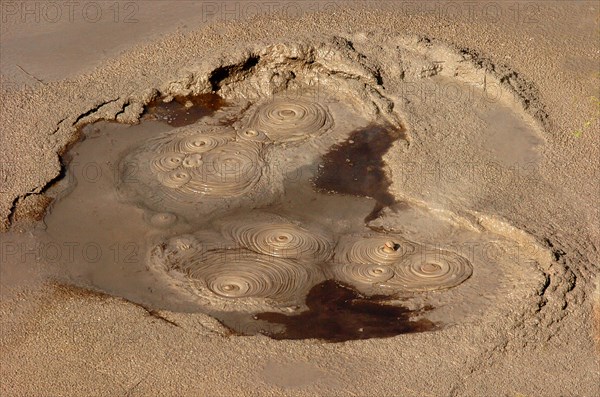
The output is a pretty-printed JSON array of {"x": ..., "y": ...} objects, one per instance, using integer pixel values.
[{"x": 336, "y": 312}]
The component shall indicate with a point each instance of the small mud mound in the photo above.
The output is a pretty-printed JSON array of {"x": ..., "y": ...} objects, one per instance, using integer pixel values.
[
  {"x": 373, "y": 249},
  {"x": 195, "y": 142}
]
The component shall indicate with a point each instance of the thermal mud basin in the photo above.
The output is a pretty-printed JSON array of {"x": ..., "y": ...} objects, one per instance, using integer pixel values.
[{"x": 274, "y": 212}]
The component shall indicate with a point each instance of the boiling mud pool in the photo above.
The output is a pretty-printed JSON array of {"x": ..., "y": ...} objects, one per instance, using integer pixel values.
[{"x": 260, "y": 215}]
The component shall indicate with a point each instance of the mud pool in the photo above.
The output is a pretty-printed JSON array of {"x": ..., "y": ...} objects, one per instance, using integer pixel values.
[{"x": 277, "y": 211}]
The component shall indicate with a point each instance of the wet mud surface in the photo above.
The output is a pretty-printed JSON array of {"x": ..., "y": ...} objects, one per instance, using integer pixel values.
[{"x": 273, "y": 215}]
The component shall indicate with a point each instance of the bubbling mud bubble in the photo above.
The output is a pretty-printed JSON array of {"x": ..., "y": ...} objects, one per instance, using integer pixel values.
[
  {"x": 252, "y": 134},
  {"x": 174, "y": 253},
  {"x": 166, "y": 162},
  {"x": 283, "y": 120},
  {"x": 429, "y": 271},
  {"x": 369, "y": 250},
  {"x": 181, "y": 248},
  {"x": 174, "y": 179},
  {"x": 163, "y": 219},
  {"x": 182, "y": 243},
  {"x": 245, "y": 274},
  {"x": 192, "y": 161},
  {"x": 279, "y": 239}
]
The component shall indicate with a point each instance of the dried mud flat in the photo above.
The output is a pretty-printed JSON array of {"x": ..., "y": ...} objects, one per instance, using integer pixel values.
[{"x": 489, "y": 175}]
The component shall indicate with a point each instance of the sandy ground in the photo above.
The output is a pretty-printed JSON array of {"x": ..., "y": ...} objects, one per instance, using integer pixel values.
[{"x": 57, "y": 340}]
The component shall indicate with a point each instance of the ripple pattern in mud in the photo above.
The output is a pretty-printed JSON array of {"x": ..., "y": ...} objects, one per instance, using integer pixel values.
[
  {"x": 174, "y": 252},
  {"x": 284, "y": 240},
  {"x": 228, "y": 170},
  {"x": 245, "y": 274},
  {"x": 379, "y": 250},
  {"x": 353, "y": 273},
  {"x": 284, "y": 120},
  {"x": 167, "y": 162},
  {"x": 183, "y": 167},
  {"x": 432, "y": 271},
  {"x": 199, "y": 143},
  {"x": 252, "y": 134},
  {"x": 174, "y": 179}
]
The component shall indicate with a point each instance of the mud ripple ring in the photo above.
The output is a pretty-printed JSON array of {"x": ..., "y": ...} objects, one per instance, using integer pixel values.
[
  {"x": 432, "y": 271},
  {"x": 353, "y": 273},
  {"x": 284, "y": 240},
  {"x": 199, "y": 143},
  {"x": 381, "y": 250},
  {"x": 283, "y": 120},
  {"x": 244, "y": 274}
]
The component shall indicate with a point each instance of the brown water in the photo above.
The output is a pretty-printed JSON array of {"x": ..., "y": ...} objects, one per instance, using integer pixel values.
[
  {"x": 356, "y": 167},
  {"x": 338, "y": 313},
  {"x": 182, "y": 111}
]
